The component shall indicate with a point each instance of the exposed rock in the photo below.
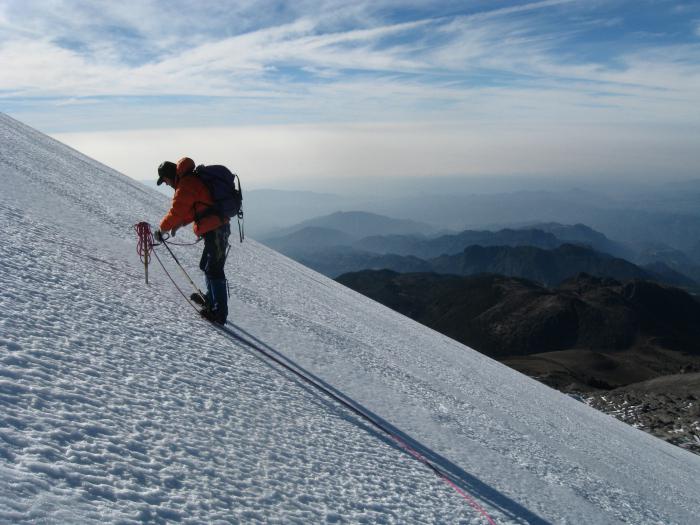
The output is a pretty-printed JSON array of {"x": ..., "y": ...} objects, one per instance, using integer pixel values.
[{"x": 667, "y": 407}]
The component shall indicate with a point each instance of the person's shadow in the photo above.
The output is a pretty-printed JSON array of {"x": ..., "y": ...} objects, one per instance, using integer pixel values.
[{"x": 378, "y": 427}]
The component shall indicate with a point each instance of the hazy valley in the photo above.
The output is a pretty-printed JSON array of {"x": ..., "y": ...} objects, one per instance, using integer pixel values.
[{"x": 610, "y": 315}]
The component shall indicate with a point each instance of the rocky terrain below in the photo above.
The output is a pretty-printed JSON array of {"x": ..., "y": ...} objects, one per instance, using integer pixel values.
[
  {"x": 667, "y": 407},
  {"x": 629, "y": 349}
]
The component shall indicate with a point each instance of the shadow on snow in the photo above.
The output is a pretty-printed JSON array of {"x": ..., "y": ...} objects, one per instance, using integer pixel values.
[{"x": 465, "y": 481}]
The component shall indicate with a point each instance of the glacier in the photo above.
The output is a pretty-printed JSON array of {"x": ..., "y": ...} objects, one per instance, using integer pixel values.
[{"x": 118, "y": 404}]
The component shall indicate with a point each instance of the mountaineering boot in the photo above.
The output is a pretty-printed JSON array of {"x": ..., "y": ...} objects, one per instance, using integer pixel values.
[
  {"x": 214, "y": 307},
  {"x": 199, "y": 299},
  {"x": 219, "y": 296},
  {"x": 208, "y": 314}
]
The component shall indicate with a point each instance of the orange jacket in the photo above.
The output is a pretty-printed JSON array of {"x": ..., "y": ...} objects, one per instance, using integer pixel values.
[{"x": 191, "y": 196}]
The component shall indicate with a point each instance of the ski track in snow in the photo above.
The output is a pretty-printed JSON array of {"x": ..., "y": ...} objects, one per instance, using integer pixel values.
[{"x": 119, "y": 405}]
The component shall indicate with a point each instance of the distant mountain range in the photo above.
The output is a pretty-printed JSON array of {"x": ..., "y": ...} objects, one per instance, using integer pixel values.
[
  {"x": 357, "y": 225},
  {"x": 548, "y": 267},
  {"x": 675, "y": 221},
  {"x": 334, "y": 245},
  {"x": 666, "y": 216},
  {"x": 583, "y": 235},
  {"x": 338, "y": 260},
  {"x": 589, "y": 333},
  {"x": 308, "y": 240},
  {"x": 455, "y": 243},
  {"x": 268, "y": 210}
]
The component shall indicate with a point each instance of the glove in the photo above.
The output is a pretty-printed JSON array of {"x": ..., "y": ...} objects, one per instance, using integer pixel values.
[{"x": 158, "y": 236}]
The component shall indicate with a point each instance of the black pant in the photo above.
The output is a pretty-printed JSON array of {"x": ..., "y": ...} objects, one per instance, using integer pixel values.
[
  {"x": 214, "y": 253},
  {"x": 212, "y": 264}
]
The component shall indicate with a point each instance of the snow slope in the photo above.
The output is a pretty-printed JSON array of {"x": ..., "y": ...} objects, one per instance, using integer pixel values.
[{"x": 117, "y": 404}]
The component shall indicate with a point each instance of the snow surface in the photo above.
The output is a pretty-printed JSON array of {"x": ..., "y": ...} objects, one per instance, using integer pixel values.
[{"x": 119, "y": 405}]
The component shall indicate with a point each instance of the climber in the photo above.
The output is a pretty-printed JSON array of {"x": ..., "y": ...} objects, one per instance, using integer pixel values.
[{"x": 191, "y": 203}]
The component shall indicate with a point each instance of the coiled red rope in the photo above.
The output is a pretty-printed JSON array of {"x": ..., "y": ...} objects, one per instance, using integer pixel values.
[{"x": 144, "y": 247}]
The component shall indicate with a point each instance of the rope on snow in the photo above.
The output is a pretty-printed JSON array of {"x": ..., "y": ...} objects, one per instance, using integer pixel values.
[{"x": 144, "y": 249}]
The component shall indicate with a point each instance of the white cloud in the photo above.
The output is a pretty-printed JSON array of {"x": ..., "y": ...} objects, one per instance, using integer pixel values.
[
  {"x": 423, "y": 76},
  {"x": 223, "y": 67},
  {"x": 242, "y": 65}
]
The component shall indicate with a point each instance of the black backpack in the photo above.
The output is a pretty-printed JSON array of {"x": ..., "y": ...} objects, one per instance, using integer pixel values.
[{"x": 221, "y": 183}]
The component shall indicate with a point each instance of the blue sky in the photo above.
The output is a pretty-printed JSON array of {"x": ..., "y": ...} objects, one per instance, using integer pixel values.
[{"x": 538, "y": 84}]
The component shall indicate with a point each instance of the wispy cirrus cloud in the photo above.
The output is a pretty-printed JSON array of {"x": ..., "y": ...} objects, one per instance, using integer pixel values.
[
  {"x": 504, "y": 39},
  {"x": 535, "y": 65},
  {"x": 149, "y": 50}
]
